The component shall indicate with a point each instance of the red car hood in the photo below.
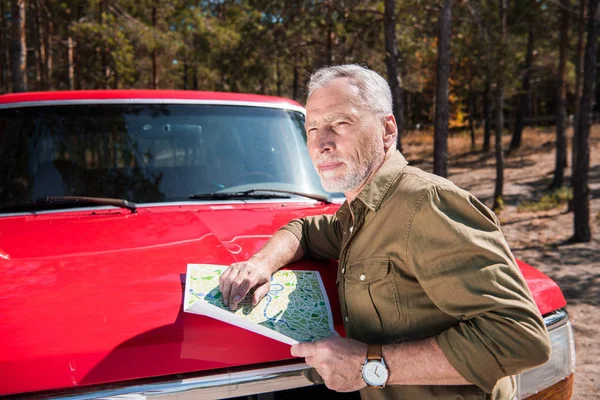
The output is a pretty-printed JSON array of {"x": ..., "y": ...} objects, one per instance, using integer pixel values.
[{"x": 91, "y": 297}]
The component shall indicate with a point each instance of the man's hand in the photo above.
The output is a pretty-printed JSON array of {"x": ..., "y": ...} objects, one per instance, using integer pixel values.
[
  {"x": 240, "y": 278},
  {"x": 337, "y": 360},
  {"x": 255, "y": 274}
]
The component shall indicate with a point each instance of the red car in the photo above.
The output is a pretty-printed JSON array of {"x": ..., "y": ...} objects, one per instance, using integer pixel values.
[{"x": 106, "y": 196}]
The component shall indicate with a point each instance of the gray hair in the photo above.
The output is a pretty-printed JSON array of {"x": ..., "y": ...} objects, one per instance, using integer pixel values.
[{"x": 374, "y": 91}]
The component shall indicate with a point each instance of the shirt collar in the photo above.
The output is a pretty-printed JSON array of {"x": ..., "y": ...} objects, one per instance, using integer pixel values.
[{"x": 374, "y": 192}]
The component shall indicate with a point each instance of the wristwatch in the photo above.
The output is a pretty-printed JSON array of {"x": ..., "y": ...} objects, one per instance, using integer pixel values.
[{"x": 374, "y": 371}]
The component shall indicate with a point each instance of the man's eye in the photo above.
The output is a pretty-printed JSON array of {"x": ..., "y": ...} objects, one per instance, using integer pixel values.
[{"x": 338, "y": 123}]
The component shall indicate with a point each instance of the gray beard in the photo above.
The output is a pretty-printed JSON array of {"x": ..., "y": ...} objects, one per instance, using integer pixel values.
[{"x": 357, "y": 173}]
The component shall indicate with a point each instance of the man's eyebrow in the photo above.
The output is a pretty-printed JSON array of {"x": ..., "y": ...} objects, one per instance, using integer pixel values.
[
  {"x": 330, "y": 119},
  {"x": 311, "y": 123},
  {"x": 339, "y": 116}
]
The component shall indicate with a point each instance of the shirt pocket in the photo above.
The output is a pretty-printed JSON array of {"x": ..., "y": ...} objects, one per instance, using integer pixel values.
[{"x": 372, "y": 300}]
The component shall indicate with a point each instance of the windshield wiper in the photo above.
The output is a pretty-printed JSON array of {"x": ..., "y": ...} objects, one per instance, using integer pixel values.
[
  {"x": 314, "y": 196},
  {"x": 65, "y": 201},
  {"x": 254, "y": 193},
  {"x": 236, "y": 195}
]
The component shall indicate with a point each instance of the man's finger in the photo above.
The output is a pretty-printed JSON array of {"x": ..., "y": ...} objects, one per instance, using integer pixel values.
[
  {"x": 304, "y": 350},
  {"x": 227, "y": 282},
  {"x": 243, "y": 289},
  {"x": 235, "y": 296},
  {"x": 260, "y": 292},
  {"x": 223, "y": 278},
  {"x": 311, "y": 361}
]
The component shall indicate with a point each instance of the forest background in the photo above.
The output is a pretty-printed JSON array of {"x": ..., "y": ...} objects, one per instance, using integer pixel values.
[{"x": 495, "y": 94}]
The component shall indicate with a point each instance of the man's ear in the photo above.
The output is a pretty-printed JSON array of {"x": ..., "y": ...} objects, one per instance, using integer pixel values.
[{"x": 390, "y": 131}]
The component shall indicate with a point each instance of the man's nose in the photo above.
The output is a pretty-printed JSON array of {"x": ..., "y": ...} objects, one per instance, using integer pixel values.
[{"x": 325, "y": 141}]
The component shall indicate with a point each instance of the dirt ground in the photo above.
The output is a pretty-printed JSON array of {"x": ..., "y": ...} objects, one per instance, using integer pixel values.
[{"x": 538, "y": 238}]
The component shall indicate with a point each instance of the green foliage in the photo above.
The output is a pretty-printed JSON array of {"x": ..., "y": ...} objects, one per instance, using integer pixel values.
[
  {"x": 108, "y": 54},
  {"x": 272, "y": 46},
  {"x": 549, "y": 201}
]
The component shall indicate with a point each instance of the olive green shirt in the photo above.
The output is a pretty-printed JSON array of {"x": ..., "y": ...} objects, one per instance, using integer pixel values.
[{"x": 420, "y": 257}]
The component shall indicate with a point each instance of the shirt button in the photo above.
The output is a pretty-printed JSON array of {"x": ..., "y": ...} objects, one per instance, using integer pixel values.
[
  {"x": 343, "y": 270},
  {"x": 362, "y": 277},
  {"x": 346, "y": 319}
]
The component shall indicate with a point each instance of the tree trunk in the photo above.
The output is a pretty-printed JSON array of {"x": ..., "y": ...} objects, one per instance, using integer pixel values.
[
  {"x": 43, "y": 33},
  {"x": 440, "y": 151},
  {"x": 578, "y": 89},
  {"x": 561, "y": 98},
  {"x": 330, "y": 33},
  {"x": 581, "y": 191},
  {"x": 522, "y": 109},
  {"x": 154, "y": 51},
  {"x": 18, "y": 48},
  {"x": 487, "y": 116},
  {"x": 104, "y": 50},
  {"x": 391, "y": 61},
  {"x": 70, "y": 56},
  {"x": 49, "y": 31},
  {"x": 499, "y": 187},
  {"x": 40, "y": 50},
  {"x": 471, "y": 113},
  {"x": 4, "y": 67}
]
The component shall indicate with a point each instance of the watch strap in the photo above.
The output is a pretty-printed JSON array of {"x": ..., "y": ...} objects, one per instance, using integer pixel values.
[{"x": 374, "y": 352}]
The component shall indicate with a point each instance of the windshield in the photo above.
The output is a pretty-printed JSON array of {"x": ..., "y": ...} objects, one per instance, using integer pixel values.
[{"x": 150, "y": 152}]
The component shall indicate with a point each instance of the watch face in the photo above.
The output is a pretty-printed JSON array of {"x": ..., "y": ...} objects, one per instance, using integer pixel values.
[{"x": 375, "y": 373}]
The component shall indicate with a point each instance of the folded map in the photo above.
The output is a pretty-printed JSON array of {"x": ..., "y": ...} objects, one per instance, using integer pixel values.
[{"x": 296, "y": 309}]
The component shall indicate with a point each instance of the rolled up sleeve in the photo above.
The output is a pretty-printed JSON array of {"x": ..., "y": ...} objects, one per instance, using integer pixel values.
[
  {"x": 462, "y": 261},
  {"x": 319, "y": 236}
]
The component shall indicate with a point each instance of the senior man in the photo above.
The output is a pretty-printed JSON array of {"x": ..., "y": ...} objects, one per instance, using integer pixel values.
[{"x": 434, "y": 305}]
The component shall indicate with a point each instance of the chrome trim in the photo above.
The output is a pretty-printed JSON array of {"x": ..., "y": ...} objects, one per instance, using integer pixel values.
[
  {"x": 233, "y": 384},
  {"x": 214, "y": 386},
  {"x": 284, "y": 106},
  {"x": 556, "y": 319}
]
